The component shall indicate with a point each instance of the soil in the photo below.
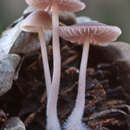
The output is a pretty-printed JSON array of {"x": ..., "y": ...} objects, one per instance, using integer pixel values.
[{"x": 106, "y": 104}]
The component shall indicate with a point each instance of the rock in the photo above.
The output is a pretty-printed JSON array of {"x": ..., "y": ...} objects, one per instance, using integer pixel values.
[
  {"x": 8, "y": 38},
  {"x": 8, "y": 64},
  {"x": 28, "y": 43},
  {"x": 13, "y": 123}
]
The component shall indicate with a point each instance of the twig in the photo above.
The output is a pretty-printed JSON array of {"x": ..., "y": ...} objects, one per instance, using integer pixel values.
[
  {"x": 68, "y": 90},
  {"x": 69, "y": 60},
  {"x": 103, "y": 113}
]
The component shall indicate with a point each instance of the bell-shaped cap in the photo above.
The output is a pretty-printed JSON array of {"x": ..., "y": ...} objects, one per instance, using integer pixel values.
[
  {"x": 63, "y": 5},
  {"x": 39, "y": 4},
  {"x": 94, "y": 31},
  {"x": 70, "y": 5},
  {"x": 35, "y": 21}
]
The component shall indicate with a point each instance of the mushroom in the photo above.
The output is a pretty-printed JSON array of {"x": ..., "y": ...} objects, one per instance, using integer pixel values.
[
  {"x": 91, "y": 32},
  {"x": 39, "y": 21},
  {"x": 39, "y": 4}
]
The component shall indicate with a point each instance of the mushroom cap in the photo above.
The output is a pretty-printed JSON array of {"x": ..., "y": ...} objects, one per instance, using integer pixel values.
[
  {"x": 63, "y": 5},
  {"x": 35, "y": 21},
  {"x": 70, "y": 5},
  {"x": 39, "y": 4},
  {"x": 94, "y": 31}
]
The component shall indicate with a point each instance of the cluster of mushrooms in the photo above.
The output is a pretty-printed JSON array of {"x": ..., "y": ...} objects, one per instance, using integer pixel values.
[{"x": 92, "y": 32}]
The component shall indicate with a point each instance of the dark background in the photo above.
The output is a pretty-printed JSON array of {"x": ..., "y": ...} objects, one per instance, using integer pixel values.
[{"x": 115, "y": 12}]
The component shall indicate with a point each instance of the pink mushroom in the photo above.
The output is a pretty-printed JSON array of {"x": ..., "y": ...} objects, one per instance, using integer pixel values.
[
  {"x": 85, "y": 34},
  {"x": 39, "y": 4},
  {"x": 38, "y": 22}
]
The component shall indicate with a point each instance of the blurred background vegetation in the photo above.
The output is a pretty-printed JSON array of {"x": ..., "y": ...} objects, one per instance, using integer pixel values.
[{"x": 115, "y": 12}]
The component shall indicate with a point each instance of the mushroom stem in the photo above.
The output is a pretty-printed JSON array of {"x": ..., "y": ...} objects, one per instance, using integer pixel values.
[
  {"x": 80, "y": 101},
  {"x": 75, "y": 119},
  {"x": 52, "y": 118},
  {"x": 45, "y": 60}
]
